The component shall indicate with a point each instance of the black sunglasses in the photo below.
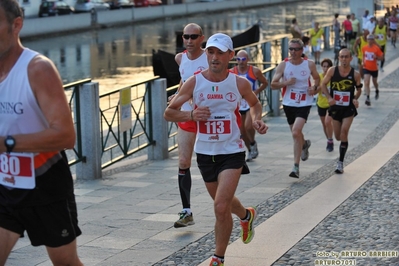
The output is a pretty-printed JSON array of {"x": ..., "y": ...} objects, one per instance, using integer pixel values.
[
  {"x": 192, "y": 36},
  {"x": 295, "y": 48}
]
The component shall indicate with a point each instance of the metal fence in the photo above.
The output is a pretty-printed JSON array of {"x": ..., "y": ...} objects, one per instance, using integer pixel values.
[
  {"x": 117, "y": 144},
  {"x": 72, "y": 92}
]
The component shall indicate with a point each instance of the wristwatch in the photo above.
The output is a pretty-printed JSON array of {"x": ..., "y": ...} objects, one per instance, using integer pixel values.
[{"x": 9, "y": 142}]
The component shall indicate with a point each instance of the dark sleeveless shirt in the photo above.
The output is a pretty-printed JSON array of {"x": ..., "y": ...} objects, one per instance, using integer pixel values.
[{"x": 347, "y": 84}]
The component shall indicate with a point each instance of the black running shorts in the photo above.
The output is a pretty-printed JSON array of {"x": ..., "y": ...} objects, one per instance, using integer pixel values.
[
  {"x": 52, "y": 225},
  {"x": 341, "y": 114},
  {"x": 211, "y": 166},
  {"x": 293, "y": 112},
  {"x": 373, "y": 73},
  {"x": 322, "y": 111}
]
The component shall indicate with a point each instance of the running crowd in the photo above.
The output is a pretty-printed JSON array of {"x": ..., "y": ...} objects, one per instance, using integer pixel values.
[
  {"x": 221, "y": 133},
  {"x": 217, "y": 110}
]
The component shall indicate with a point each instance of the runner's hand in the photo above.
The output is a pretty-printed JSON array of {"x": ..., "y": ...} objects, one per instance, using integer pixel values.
[
  {"x": 170, "y": 98},
  {"x": 355, "y": 103},
  {"x": 291, "y": 81},
  {"x": 260, "y": 126}
]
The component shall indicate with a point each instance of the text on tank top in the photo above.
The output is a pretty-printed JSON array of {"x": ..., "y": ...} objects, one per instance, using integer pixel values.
[
  {"x": 342, "y": 89},
  {"x": 220, "y": 134}
]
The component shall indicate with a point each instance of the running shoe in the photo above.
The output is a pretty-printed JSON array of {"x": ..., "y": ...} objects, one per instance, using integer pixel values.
[
  {"x": 340, "y": 168},
  {"x": 330, "y": 146},
  {"x": 254, "y": 150},
  {"x": 305, "y": 150},
  {"x": 247, "y": 229},
  {"x": 294, "y": 172},
  {"x": 249, "y": 156},
  {"x": 377, "y": 94},
  {"x": 184, "y": 220},
  {"x": 367, "y": 102},
  {"x": 216, "y": 262}
]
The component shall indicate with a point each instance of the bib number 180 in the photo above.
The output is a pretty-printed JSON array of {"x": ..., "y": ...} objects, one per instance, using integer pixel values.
[
  {"x": 16, "y": 164},
  {"x": 10, "y": 164}
]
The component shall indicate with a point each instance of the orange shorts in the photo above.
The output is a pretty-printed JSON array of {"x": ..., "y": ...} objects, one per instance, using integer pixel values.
[{"x": 190, "y": 126}]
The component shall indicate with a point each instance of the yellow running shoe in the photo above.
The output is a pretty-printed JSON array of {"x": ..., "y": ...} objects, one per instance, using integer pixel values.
[{"x": 247, "y": 229}]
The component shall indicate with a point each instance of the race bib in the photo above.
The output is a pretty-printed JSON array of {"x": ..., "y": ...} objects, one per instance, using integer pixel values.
[
  {"x": 369, "y": 56},
  {"x": 216, "y": 128},
  {"x": 17, "y": 170},
  {"x": 380, "y": 37},
  {"x": 298, "y": 96},
  {"x": 342, "y": 98}
]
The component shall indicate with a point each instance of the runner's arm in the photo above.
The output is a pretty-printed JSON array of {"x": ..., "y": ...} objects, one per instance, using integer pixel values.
[
  {"x": 277, "y": 83},
  {"x": 324, "y": 83},
  {"x": 315, "y": 76},
  {"x": 48, "y": 90},
  {"x": 245, "y": 90},
  {"x": 261, "y": 79},
  {"x": 359, "y": 85},
  {"x": 173, "y": 112}
]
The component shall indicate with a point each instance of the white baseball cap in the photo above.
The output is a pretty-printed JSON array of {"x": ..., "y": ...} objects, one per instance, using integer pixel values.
[{"x": 221, "y": 41}]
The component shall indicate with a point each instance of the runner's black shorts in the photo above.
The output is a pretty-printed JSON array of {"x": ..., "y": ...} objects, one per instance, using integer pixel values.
[
  {"x": 322, "y": 111},
  {"x": 211, "y": 166},
  {"x": 373, "y": 73},
  {"x": 293, "y": 112},
  {"x": 243, "y": 112},
  {"x": 52, "y": 225},
  {"x": 339, "y": 115}
]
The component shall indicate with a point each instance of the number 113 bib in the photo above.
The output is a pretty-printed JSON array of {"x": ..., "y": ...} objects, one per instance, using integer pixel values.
[{"x": 216, "y": 128}]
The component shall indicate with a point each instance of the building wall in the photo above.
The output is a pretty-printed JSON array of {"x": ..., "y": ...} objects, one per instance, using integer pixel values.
[{"x": 35, "y": 26}]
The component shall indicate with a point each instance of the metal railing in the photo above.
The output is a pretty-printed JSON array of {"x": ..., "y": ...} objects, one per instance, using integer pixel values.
[
  {"x": 172, "y": 126},
  {"x": 117, "y": 144},
  {"x": 72, "y": 92}
]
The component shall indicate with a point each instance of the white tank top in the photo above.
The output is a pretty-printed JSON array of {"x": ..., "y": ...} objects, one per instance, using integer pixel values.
[
  {"x": 220, "y": 134},
  {"x": 187, "y": 69},
  {"x": 21, "y": 114},
  {"x": 19, "y": 111},
  {"x": 297, "y": 95}
]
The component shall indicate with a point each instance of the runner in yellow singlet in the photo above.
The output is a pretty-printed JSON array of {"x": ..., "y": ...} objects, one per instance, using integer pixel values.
[
  {"x": 381, "y": 32},
  {"x": 360, "y": 42}
]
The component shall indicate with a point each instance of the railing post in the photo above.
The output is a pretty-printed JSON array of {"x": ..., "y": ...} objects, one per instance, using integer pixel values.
[
  {"x": 159, "y": 151},
  {"x": 275, "y": 102},
  {"x": 267, "y": 54},
  {"x": 284, "y": 48},
  {"x": 275, "y": 97},
  {"x": 327, "y": 45},
  {"x": 91, "y": 142}
]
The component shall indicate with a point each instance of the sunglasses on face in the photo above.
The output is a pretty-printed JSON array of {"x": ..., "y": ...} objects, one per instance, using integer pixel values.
[
  {"x": 344, "y": 56},
  {"x": 241, "y": 59},
  {"x": 295, "y": 48},
  {"x": 191, "y": 36}
]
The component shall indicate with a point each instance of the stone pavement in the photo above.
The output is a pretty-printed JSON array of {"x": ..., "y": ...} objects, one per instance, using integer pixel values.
[{"x": 127, "y": 217}]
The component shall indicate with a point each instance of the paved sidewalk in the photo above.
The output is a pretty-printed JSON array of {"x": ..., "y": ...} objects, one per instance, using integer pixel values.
[{"x": 127, "y": 217}]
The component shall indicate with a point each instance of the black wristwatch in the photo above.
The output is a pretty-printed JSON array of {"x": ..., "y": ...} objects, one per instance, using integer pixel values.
[{"x": 9, "y": 142}]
